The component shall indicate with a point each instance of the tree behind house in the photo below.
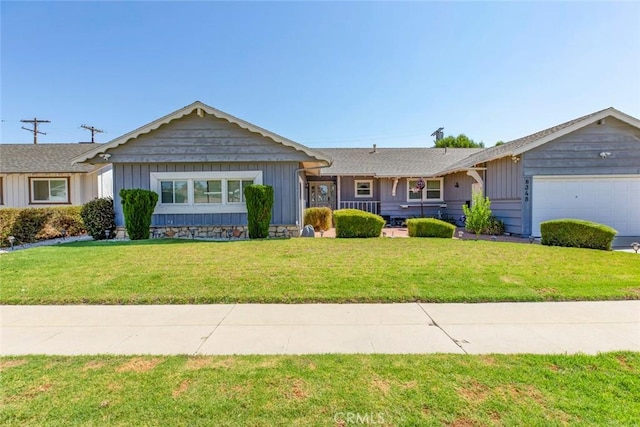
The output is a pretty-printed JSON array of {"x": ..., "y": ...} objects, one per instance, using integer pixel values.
[{"x": 460, "y": 141}]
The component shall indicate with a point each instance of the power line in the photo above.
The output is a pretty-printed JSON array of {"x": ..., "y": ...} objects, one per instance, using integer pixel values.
[
  {"x": 35, "y": 130},
  {"x": 93, "y": 131}
]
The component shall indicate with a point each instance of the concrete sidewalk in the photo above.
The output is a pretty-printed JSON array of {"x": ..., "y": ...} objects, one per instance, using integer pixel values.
[{"x": 562, "y": 327}]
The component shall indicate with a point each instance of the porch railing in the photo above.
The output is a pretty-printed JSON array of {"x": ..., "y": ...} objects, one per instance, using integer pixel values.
[{"x": 372, "y": 207}]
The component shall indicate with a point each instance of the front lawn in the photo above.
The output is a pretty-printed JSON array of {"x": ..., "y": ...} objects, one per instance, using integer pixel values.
[
  {"x": 313, "y": 270},
  {"x": 321, "y": 390}
]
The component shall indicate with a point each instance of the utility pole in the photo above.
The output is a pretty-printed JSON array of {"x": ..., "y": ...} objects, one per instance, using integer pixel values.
[
  {"x": 35, "y": 128},
  {"x": 93, "y": 131}
]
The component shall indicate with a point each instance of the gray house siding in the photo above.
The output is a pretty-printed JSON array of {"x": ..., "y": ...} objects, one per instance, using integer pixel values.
[
  {"x": 281, "y": 176},
  {"x": 578, "y": 153},
  {"x": 454, "y": 196},
  {"x": 504, "y": 187},
  {"x": 203, "y": 139}
]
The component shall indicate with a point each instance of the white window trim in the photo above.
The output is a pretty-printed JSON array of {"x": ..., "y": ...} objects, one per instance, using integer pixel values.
[
  {"x": 355, "y": 188},
  {"x": 32, "y": 200},
  {"x": 424, "y": 190},
  {"x": 195, "y": 208}
]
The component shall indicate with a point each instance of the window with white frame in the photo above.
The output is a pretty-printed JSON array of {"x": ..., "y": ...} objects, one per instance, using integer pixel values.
[
  {"x": 432, "y": 190},
  {"x": 202, "y": 192},
  {"x": 49, "y": 190},
  {"x": 363, "y": 188}
]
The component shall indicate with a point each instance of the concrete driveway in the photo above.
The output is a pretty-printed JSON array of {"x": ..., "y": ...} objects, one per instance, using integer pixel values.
[{"x": 562, "y": 327}]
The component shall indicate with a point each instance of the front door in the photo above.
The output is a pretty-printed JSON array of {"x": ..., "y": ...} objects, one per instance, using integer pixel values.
[{"x": 322, "y": 194}]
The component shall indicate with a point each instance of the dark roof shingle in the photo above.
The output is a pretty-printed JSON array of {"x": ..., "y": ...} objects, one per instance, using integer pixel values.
[{"x": 44, "y": 158}]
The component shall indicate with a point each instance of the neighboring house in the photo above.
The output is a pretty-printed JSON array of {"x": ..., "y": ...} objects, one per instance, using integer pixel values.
[
  {"x": 199, "y": 160},
  {"x": 587, "y": 168},
  {"x": 39, "y": 175},
  {"x": 383, "y": 181}
]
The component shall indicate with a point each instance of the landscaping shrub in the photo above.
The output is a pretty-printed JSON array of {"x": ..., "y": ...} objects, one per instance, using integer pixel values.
[
  {"x": 577, "y": 233},
  {"x": 478, "y": 215},
  {"x": 67, "y": 219},
  {"x": 98, "y": 216},
  {"x": 318, "y": 218},
  {"x": 29, "y": 225},
  {"x": 495, "y": 227},
  {"x": 430, "y": 227},
  {"x": 138, "y": 206},
  {"x": 259, "y": 203},
  {"x": 357, "y": 223}
]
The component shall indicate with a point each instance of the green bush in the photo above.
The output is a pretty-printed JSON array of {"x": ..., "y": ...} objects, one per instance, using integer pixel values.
[
  {"x": 495, "y": 227},
  {"x": 29, "y": 225},
  {"x": 478, "y": 215},
  {"x": 138, "y": 206},
  {"x": 357, "y": 223},
  {"x": 98, "y": 216},
  {"x": 576, "y": 233},
  {"x": 319, "y": 218},
  {"x": 259, "y": 203},
  {"x": 430, "y": 227}
]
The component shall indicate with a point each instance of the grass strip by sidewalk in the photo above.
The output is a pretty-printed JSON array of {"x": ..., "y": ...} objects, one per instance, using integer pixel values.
[
  {"x": 322, "y": 390},
  {"x": 313, "y": 270}
]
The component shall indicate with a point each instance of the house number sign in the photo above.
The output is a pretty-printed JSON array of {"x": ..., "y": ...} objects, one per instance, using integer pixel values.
[{"x": 526, "y": 189}]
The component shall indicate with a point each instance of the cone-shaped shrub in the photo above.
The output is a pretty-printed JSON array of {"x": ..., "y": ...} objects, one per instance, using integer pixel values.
[
  {"x": 259, "y": 203},
  {"x": 138, "y": 206}
]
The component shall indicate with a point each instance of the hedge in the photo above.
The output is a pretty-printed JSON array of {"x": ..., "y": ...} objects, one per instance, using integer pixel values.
[
  {"x": 259, "y": 200},
  {"x": 357, "y": 223},
  {"x": 319, "y": 218},
  {"x": 138, "y": 206},
  {"x": 28, "y": 225},
  {"x": 577, "y": 233},
  {"x": 98, "y": 216},
  {"x": 430, "y": 227}
]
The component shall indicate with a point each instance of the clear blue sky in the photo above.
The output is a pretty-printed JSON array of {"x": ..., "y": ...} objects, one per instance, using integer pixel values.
[{"x": 323, "y": 74}]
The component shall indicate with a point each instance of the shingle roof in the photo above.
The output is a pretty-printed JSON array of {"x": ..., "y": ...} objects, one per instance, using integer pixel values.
[
  {"x": 46, "y": 158},
  {"x": 393, "y": 162},
  {"x": 520, "y": 145}
]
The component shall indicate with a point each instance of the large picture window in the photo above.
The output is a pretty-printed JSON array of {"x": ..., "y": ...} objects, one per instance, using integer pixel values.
[
  {"x": 432, "y": 190},
  {"x": 202, "y": 192},
  {"x": 49, "y": 190}
]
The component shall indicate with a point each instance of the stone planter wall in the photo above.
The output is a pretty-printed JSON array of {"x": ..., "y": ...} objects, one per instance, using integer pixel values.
[{"x": 218, "y": 232}]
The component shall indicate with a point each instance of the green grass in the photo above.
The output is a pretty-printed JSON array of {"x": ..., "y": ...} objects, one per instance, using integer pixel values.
[
  {"x": 313, "y": 270},
  {"x": 321, "y": 390}
]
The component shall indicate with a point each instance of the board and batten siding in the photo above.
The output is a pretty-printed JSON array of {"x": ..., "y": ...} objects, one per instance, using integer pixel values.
[
  {"x": 83, "y": 187},
  {"x": 282, "y": 176},
  {"x": 504, "y": 187},
  {"x": 203, "y": 139},
  {"x": 578, "y": 153}
]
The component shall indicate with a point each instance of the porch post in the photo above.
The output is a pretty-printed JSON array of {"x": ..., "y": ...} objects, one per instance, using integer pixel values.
[{"x": 338, "y": 182}]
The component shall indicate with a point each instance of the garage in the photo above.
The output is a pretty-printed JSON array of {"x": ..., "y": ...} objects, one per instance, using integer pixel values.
[{"x": 611, "y": 200}]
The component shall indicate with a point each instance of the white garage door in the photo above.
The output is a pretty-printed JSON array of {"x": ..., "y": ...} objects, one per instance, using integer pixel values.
[{"x": 614, "y": 201}]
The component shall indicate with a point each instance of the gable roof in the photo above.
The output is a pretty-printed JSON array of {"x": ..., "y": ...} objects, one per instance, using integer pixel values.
[
  {"x": 201, "y": 109},
  {"x": 393, "y": 162},
  {"x": 529, "y": 142},
  {"x": 44, "y": 158}
]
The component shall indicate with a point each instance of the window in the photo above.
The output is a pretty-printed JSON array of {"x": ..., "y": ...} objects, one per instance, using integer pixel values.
[
  {"x": 174, "y": 192},
  {"x": 364, "y": 188},
  {"x": 209, "y": 191},
  {"x": 432, "y": 190},
  {"x": 202, "y": 192},
  {"x": 235, "y": 190},
  {"x": 49, "y": 190}
]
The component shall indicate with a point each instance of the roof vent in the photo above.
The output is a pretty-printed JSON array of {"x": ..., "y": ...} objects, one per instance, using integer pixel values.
[{"x": 375, "y": 149}]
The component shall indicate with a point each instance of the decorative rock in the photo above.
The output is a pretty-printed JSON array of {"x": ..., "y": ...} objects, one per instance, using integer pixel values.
[{"x": 308, "y": 231}]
